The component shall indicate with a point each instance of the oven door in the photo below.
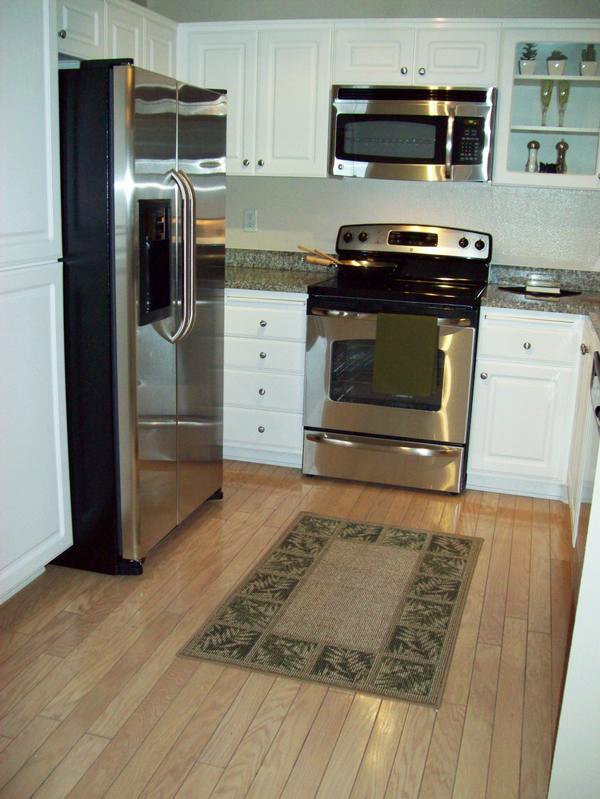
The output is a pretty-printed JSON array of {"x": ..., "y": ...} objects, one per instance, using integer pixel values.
[{"x": 339, "y": 374}]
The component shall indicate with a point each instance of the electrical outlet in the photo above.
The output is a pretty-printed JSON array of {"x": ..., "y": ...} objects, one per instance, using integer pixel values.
[{"x": 250, "y": 220}]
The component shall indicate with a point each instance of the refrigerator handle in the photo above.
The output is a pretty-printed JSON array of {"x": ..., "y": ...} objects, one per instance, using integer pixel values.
[
  {"x": 190, "y": 251},
  {"x": 184, "y": 325}
]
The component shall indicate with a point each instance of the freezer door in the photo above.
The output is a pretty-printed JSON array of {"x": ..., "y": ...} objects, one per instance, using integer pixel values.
[
  {"x": 148, "y": 307},
  {"x": 201, "y": 157}
]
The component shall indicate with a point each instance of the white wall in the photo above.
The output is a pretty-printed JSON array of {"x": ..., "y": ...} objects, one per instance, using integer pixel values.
[
  {"x": 198, "y": 10},
  {"x": 531, "y": 227}
]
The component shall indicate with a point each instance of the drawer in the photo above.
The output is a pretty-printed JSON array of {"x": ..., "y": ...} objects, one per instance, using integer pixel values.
[
  {"x": 262, "y": 429},
  {"x": 266, "y": 390},
  {"x": 529, "y": 338},
  {"x": 278, "y": 320},
  {"x": 264, "y": 356}
]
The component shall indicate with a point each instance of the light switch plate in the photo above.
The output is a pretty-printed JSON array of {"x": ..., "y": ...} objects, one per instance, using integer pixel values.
[{"x": 250, "y": 220}]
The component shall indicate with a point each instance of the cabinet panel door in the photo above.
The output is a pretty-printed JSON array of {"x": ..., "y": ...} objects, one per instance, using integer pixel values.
[
  {"x": 124, "y": 34},
  {"x": 293, "y": 102},
  {"x": 374, "y": 54},
  {"x": 159, "y": 45},
  {"x": 518, "y": 425},
  {"x": 35, "y": 507},
  {"x": 457, "y": 57},
  {"x": 228, "y": 61},
  {"x": 29, "y": 171},
  {"x": 83, "y": 24}
]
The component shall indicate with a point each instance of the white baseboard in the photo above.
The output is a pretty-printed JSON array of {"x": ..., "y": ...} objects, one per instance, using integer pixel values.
[
  {"x": 521, "y": 486},
  {"x": 271, "y": 457},
  {"x": 19, "y": 587}
]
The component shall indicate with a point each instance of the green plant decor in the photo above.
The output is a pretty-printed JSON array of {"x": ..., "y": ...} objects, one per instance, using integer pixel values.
[
  {"x": 529, "y": 52},
  {"x": 589, "y": 53},
  {"x": 557, "y": 55}
]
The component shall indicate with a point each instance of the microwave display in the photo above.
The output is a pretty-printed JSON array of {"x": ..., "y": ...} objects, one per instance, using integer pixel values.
[{"x": 392, "y": 139}]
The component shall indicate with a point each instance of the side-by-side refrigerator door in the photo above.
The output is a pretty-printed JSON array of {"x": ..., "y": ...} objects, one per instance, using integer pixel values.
[
  {"x": 151, "y": 237},
  {"x": 201, "y": 160}
]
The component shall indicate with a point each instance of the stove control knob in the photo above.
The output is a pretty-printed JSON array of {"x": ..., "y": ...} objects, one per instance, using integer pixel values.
[
  {"x": 347, "y": 236},
  {"x": 463, "y": 242},
  {"x": 479, "y": 244},
  {"x": 363, "y": 235}
]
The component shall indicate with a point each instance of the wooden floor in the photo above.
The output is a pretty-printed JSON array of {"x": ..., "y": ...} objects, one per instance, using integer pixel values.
[{"x": 95, "y": 702}]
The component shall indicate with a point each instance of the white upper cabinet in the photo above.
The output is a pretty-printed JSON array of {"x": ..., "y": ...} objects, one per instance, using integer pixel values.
[
  {"x": 375, "y": 54},
  {"x": 572, "y": 116},
  {"x": 124, "y": 33},
  {"x": 80, "y": 28},
  {"x": 457, "y": 56},
  {"x": 29, "y": 170},
  {"x": 227, "y": 60},
  {"x": 160, "y": 39},
  {"x": 392, "y": 54}
]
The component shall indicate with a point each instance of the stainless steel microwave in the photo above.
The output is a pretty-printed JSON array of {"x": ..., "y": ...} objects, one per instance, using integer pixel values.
[{"x": 412, "y": 133}]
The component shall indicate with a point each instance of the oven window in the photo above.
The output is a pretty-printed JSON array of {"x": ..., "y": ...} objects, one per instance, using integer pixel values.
[
  {"x": 398, "y": 139},
  {"x": 351, "y": 378}
]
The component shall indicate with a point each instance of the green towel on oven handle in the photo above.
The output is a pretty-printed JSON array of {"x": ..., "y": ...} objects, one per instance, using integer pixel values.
[{"x": 406, "y": 348}]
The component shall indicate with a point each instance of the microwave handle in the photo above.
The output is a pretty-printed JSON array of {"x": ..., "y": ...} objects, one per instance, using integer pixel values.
[{"x": 449, "y": 135}]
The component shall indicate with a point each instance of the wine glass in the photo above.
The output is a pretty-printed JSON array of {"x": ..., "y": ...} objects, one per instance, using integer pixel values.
[
  {"x": 563, "y": 98},
  {"x": 545, "y": 97}
]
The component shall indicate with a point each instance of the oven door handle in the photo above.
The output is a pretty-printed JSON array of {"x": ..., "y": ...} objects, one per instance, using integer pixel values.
[
  {"x": 423, "y": 450},
  {"x": 463, "y": 321}
]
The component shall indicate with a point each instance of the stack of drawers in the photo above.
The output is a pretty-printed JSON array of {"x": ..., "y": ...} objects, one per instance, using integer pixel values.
[{"x": 265, "y": 336}]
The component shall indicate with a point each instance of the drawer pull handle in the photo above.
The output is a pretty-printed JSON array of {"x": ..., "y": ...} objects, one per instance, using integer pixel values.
[
  {"x": 262, "y": 392},
  {"x": 484, "y": 375},
  {"x": 422, "y": 70},
  {"x": 245, "y": 162},
  {"x": 263, "y": 323},
  {"x": 261, "y": 428},
  {"x": 584, "y": 349},
  {"x": 62, "y": 34},
  {"x": 263, "y": 355},
  {"x": 527, "y": 345}
]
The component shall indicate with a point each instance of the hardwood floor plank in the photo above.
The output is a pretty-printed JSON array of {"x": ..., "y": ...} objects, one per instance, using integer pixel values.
[
  {"x": 279, "y": 760},
  {"x": 560, "y": 532},
  {"x": 537, "y": 718},
  {"x": 347, "y": 754},
  {"x": 10, "y": 644},
  {"x": 517, "y": 598},
  {"x": 374, "y": 772},
  {"x": 200, "y": 782},
  {"x": 4, "y": 742},
  {"x": 25, "y": 680},
  {"x": 562, "y": 621},
  {"x": 440, "y": 767},
  {"x": 248, "y": 756},
  {"x": 504, "y": 768},
  {"x": 23, "y": 746},
  {"x": 407, "y": 771},
  {"x": 69, "y": 771},
  {"x": 472, "y": 767},
  {"x": 539, "y": 584},
  {"x": 492, "y": 616}
]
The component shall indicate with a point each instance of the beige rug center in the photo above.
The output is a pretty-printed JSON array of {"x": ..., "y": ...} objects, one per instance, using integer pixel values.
[{"x": 350, "y": 596}]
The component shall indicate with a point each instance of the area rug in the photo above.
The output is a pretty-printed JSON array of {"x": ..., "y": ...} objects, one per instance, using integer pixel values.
[{"x": 366, "y": 607}]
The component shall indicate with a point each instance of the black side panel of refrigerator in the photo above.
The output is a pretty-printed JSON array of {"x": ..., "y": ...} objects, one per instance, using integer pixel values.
[{"x": 86, "y": 179}]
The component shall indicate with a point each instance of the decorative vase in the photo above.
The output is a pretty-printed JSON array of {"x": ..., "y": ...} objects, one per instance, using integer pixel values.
[
  {"x": 527, "y": 66},
  {"x": 556, "y": 67},
  {"x": 588, "y": 68}
]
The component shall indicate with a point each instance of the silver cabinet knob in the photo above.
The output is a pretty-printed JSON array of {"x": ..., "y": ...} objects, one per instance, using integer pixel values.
[
  {"x": 584, "y": 349},
  {"x": 261, "y": 428},
  {"x": 261, "y": 162},
  {"x": 403, "y": 70},
  {"x": 262, "y": 392},
  {"x": 263, "y": 355},
  {"x": 484, "y": 375},
  {"x": 421, "y": 70},
  {"x": 527, "y": 345},
  {"x": 263, "y": 323},
  {"x": 246, "y": 162},
  {"x": 62, "y": 34}
]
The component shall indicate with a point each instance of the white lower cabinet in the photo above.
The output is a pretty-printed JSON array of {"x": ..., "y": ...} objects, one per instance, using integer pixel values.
[
  {"x": 264, "y": 376},
  {"x": 35, "y": 512},
  {"x": 523, "y": 403}
]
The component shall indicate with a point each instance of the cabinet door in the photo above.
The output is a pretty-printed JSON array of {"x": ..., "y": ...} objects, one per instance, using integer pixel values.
[
  {"x": 80, "y": 26},
  {"x": 159, "y": 46},
  {"x": 373, "y": 54},
  {"x": 227, "y": 60},
  {"x": 457, "y": 56},
  {"x": 124, "y": 34},
  {"x": 34, "y": 479},
  {"x": 29, "y": 172},
  {"x": 293, "y": 101},
  {"x": 519, "y": 420}
]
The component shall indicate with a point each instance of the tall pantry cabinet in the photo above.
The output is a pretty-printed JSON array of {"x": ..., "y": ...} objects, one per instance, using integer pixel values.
[{"x": 35, "y": 517}]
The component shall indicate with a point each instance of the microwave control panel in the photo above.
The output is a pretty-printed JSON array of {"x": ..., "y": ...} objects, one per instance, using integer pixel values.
[{"x": 468, "y": 140}]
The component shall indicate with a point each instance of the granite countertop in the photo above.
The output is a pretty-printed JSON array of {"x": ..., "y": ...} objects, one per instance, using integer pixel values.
[{"x": 241, "y": 277}]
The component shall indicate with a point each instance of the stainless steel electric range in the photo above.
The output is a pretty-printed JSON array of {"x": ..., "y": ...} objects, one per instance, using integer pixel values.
[{"x": 390, "y": 356}]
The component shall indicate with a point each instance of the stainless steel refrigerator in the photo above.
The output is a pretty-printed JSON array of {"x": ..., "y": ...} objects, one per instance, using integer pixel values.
[{"x": 143, "y": 204}]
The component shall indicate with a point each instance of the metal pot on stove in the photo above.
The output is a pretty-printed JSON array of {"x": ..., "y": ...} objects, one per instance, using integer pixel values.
[{"x": 350, "y": 267}]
